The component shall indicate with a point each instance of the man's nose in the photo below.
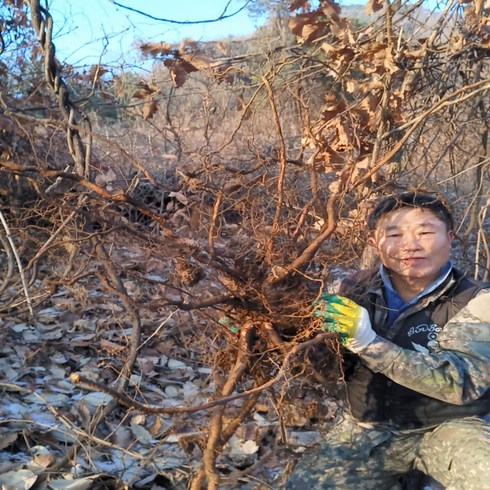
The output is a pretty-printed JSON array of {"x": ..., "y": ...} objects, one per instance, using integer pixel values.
[{"x": 410, "y": 241}]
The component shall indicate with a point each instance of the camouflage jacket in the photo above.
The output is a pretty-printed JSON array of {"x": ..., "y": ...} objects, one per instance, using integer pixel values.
[{"x": 432, "y": 364}]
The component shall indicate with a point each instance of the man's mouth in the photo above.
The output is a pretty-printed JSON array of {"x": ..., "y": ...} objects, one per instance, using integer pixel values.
[{"x": 412, "y": 260}]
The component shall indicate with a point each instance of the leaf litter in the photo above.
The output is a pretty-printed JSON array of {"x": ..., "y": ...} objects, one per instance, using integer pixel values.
[{"x": 46, "y": 437}]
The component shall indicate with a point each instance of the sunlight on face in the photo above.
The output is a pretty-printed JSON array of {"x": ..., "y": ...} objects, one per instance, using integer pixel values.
[{"x": 413, "y": 244}]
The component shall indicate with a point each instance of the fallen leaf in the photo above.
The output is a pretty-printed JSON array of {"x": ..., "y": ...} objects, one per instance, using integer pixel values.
[
  {"x": 95, "y": 399},
  {"x": 6, "y": 439},
  {"x": 79, "y": 484},
  {"x": 17, "y": 480},
  {"x": 43, "y": 460},
  {"x": 141, "y": 434}
]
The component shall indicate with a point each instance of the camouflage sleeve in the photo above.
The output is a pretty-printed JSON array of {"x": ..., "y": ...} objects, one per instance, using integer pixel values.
[{"x": 456, "y": 371}]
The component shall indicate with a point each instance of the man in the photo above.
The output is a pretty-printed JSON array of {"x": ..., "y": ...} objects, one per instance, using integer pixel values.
[{"x": 417, "y": 370}]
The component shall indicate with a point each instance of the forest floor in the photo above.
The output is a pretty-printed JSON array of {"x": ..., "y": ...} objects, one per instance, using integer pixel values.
[{"x": 45, "y": 440}]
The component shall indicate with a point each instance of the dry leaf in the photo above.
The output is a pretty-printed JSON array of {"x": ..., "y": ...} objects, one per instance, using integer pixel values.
[
  {"x": 296, "y": 4},
  {"x": 330, "y": 8},
  {"x": 7, "y": 438},
  {"x": 43, "y": 460},
  {"x": 141, "y": 434},
  {"x": 179, "y": 69},
  {"x": 96, "y": 71},
  {"x": 17, "y": 480},
  {"x": 155, "y": 49},
  {"x": 77, "y": 484},
  {"x": 150, "y": 108},
  {"x": 156, "y": 427},
  {"x": 139, "y": 94},
  {"x": 197, "y": 61},
  {"x": 306, "y": 27},
  {"x": 111, "y": 347},
  {"x": 374, "y": 6}
]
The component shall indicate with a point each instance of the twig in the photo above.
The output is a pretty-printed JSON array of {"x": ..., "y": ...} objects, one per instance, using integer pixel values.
[
  {"x": 187, "y": 306},
  {"x": 117, "y": 287},
  {"x": 215, "y": 441},
  {"x": 280, "y": 273},
  {"x": 222, "y": 16},
  {"x": 411, "y": 126},
  {"x": 71, "y": 427},
  {"x": 124, "y": 400},
  {"x": 10, "y": 263},
  {"x": 212, "y": 224},
  {"x": 100, "y": 191},
  {"x": 50, "y": 240},
  {"x": 282, "y": 169},
  {"x": 19, "y": 263},
  {"x": 156, "y": 332},
  {"x": 482, "y": 243}
]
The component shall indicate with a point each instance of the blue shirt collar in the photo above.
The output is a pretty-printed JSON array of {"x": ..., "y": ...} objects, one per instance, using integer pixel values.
[{"x": 394, "y": 300}]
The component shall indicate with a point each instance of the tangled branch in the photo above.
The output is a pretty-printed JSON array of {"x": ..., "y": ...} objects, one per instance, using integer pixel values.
[{"x": 128, "y": 402}]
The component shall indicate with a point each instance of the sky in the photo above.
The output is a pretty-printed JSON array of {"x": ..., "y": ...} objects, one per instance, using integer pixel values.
[
  {"x": 87, "y": 32},
  {"x": 83, "y": 27}
]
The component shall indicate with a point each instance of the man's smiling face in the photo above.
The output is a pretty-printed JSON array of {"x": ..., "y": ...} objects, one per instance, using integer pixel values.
[{"x": 413, "y": 244}]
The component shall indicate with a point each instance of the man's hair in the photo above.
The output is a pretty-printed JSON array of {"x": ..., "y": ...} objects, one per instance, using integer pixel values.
[{"x": 421, "y": 200}]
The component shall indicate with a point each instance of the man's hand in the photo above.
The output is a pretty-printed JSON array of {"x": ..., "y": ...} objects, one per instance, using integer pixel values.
[{"x": 342, "y": 315}]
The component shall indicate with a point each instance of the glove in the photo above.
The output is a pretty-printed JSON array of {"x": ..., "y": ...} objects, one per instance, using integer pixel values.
[{"x": 351, "y": 321}]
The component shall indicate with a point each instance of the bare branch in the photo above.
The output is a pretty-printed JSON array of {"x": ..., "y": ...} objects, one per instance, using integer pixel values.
[
  {"x": 130, "y": 403},
  {"x": 224, "y": 15}
]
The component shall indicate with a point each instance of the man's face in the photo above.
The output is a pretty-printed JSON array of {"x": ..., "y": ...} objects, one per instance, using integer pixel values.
[{"x": 413, "y": 244}]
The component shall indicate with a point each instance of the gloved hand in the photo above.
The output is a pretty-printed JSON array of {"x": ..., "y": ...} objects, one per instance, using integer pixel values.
[{"x": 342, "y": 315}]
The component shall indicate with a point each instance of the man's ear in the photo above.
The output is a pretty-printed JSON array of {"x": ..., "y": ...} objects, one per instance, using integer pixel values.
[{"x": 371, "y": 241}]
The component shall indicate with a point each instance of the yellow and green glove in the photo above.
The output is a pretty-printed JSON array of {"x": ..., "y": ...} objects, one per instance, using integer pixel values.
[{"x": 351, "y": 321}]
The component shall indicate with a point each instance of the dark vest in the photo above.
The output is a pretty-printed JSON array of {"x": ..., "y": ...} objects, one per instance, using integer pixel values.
[{"x": 373, "y": 397}]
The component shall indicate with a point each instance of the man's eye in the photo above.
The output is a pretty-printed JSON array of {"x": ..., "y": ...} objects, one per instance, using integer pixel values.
[
  {"x": 394, "y": 235},
  {"x": 427, "y": 233}
]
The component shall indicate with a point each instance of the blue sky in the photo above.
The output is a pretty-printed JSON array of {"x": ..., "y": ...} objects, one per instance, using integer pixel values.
[
  {"x": 92, "y": 31},
  {"x": 83, "y": 26}
]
